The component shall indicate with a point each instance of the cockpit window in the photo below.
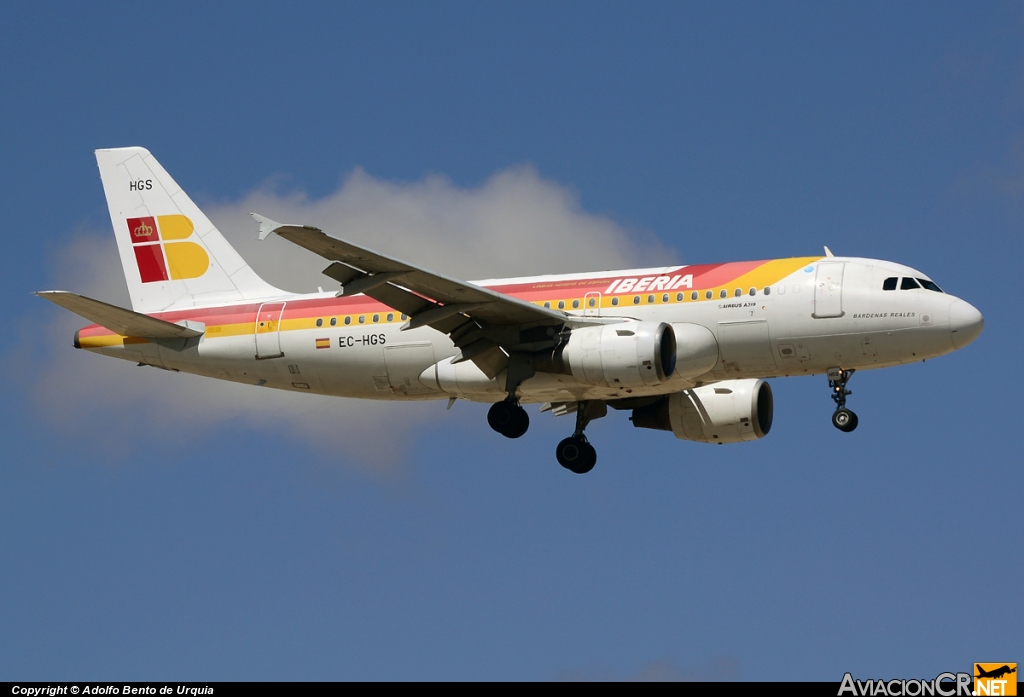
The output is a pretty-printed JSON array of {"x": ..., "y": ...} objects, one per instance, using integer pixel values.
[
  {"x": 925, "y": 283},
  {"x": 908, "y": 284},
  {"x": 889, "y": 283}
]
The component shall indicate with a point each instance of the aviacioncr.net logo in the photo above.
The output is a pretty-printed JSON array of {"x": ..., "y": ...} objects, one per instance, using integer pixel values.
[{"x": 943, "y": 685}]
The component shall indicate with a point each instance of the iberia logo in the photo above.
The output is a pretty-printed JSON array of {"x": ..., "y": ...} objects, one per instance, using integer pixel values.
[
  {"x": 995, "y": 678},
  {"x": 159, "y": 256}
]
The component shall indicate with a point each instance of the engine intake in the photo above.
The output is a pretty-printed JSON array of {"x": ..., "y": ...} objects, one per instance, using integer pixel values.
[
  {"x": 626, "y": 354},
  {"x": 732, "y": 411}
]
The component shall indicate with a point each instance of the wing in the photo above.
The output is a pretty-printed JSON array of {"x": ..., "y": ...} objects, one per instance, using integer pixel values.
[
  {"x": 486, "y": 326},
  {"x": 119, "y": 320}
]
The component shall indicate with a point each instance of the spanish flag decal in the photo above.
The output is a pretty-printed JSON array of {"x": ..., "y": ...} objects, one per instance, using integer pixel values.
[
  {"x": 323, "y": 343},
  {"x": 159, "y": 253}
]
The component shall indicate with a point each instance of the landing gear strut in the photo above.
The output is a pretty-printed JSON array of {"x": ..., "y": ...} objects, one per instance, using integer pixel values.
[
  {"x": 575, "y": 453},
  {"x": 843, "y": 419},
  {"x": 507, "y": 417}
]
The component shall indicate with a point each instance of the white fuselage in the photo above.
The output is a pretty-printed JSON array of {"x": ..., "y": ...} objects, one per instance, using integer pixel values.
[{"x": 833, "y": 313}]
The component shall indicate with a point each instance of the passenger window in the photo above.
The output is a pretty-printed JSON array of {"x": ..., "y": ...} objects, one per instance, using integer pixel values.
[
  {"x": 547, "y": 305},
  {"x": 376, "y": 318},
  {"x": 615, "y": 301},
  {"x": 679, "y": 297},
  {"x": 737, "y": 292},
  {"x": 753, "y": 292},
  {"x": 334, "y": 321},
  {"x": 362, "y": 319},
  {"x": 348, "y": 320},
  {"x": 767, "y": 290},
  {"x": 650, "y": 299},
  {"x": 592, "y": 302},
  {"x": 908, "y": 284},
  {"x": 889, "y": 283},
  {"x": 561, "y": 304},
  {"x": 723, "y": 293},
  {"x": 575, "y": 304},
  {"x": 319, "y": 321},
  {"x": 709, "y": 295},
  {"x": 929, "y": 285},
  {"x": 404, "y": 316},
  {"x": 694, "y": 295},
  {"x": 391, "y": 317},
  {"x": 636, "y": 299}
]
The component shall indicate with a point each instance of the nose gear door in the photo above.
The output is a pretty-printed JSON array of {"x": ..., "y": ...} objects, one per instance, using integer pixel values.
[{"x": 828, "y": 290}]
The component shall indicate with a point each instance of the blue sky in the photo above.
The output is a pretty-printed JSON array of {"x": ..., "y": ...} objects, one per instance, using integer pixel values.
[{"x": 156, "y": 526}]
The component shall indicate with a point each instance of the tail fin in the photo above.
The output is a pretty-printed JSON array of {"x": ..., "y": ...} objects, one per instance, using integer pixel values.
[{"x": 171, "y": 253}]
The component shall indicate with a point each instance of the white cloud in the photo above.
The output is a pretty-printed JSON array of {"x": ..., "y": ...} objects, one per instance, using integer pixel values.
[{"x": 515, "y": 223}]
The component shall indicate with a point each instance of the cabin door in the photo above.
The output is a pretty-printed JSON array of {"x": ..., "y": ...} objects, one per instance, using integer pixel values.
[
  {"x": 828, "y": 290},
  {"x": 268, "y": 330}
]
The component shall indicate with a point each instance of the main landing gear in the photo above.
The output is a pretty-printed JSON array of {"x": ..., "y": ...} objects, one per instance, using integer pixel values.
[
  {"x": 843, "y": 419},
  {"x": 508, "y": 418},
  {"x": 575, "y": 453}
]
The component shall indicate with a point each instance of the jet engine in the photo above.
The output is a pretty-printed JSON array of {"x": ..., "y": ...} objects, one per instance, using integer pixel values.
[
  {"x": 731, "y": 411},
  {"x": 626, "y": 354}
]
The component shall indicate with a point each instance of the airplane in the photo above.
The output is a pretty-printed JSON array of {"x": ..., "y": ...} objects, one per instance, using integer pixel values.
[{"x": 685, "y": 349}]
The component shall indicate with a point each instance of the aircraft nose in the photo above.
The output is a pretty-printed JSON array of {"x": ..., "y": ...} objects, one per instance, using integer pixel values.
[{"x": 965, "y": 323}]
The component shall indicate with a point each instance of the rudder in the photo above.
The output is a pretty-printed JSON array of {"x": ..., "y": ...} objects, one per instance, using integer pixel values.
[{"x": 172, "y": 255}]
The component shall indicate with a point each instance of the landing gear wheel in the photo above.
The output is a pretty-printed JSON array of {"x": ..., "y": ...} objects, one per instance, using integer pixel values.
[
  {"x": 508, "y": 418},
  {"x": 576, "y": 454},
  {"x": 844, "y": 419}
]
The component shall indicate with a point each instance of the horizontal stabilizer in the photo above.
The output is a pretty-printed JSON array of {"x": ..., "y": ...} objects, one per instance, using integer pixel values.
[{"x": 119, "y": 320}]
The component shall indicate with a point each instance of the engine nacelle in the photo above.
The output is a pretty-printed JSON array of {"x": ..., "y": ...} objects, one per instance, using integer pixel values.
[
  {"x": 732, "y": 411},
  {"x": 625, "y": 354}
]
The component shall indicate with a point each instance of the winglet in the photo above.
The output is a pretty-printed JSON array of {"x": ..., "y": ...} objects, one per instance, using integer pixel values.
[
  {"x": 267, "y": 225},
  {"x": 828, "y": 252}
]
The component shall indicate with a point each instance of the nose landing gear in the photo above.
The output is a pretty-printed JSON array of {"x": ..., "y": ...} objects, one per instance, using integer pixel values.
[
  {"x": 575, "y": 453},
  {"x": 843, "y": 419}
]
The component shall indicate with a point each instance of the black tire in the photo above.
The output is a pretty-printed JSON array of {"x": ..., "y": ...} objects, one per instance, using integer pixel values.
[
  {"x": 844, "y": 419},
  {"x": 508, "y": 419},
  {"x": 519, "y": 425},
  {"x": 576, "y": 455},
  {"x": 589, "y": 461},
  {"x": 499, "y": 416}
]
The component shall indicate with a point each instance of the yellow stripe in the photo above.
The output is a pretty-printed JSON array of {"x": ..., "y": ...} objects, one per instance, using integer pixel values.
[
  {"x": 231, "y": 329},
  {"x": 771, "y": 273},
  {"x": 108, "y": 340}
]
